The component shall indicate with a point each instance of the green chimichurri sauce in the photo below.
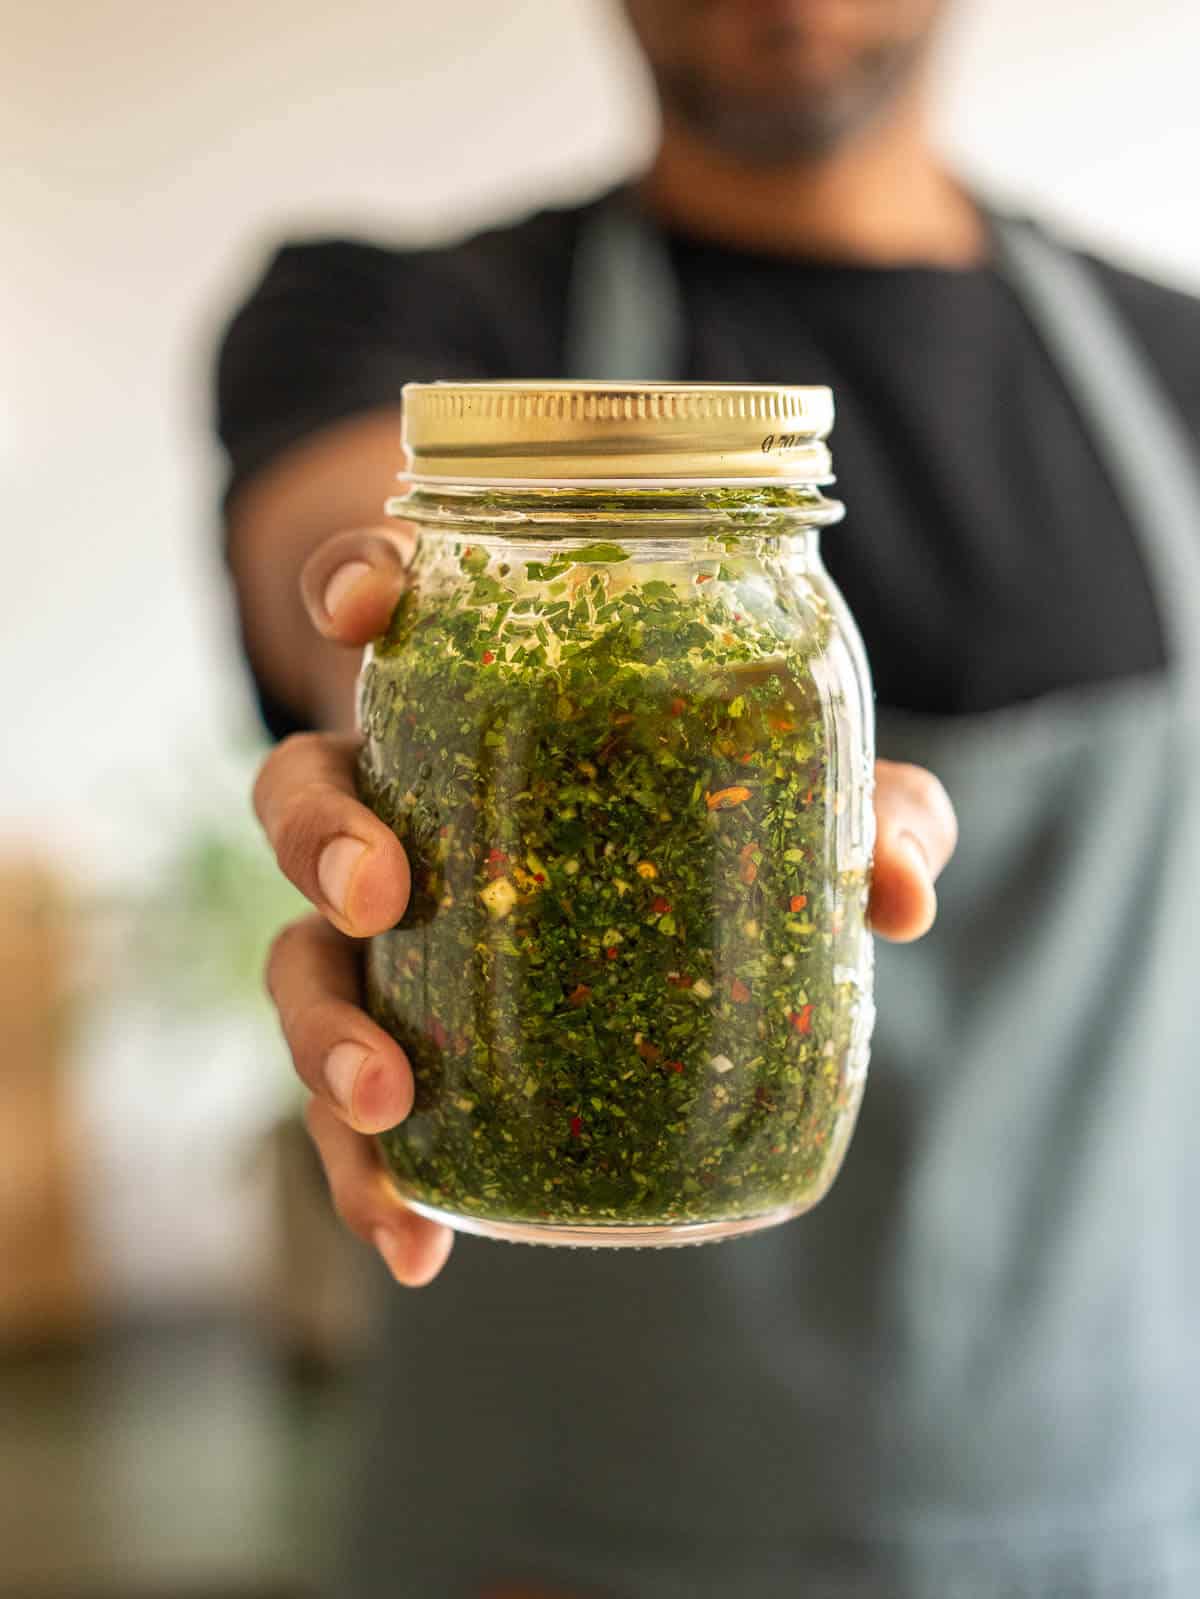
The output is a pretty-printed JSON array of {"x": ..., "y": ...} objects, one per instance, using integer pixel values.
[{"x": 630, "y": 974}]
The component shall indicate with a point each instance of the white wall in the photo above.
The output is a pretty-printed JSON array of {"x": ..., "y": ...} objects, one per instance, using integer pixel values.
[{"x": 159, "y": 145}]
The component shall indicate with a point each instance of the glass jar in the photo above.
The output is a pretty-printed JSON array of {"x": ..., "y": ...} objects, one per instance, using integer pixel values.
[{"x": 622, "y": 723}]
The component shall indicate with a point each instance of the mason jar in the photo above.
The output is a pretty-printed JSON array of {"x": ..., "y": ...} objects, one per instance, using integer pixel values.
[{"x": 622, "y": 723}]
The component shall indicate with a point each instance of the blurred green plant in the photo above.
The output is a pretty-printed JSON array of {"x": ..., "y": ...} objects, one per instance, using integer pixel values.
[
  {"x": 200, "y": 936},
  {"x": 189, "y": 938}
]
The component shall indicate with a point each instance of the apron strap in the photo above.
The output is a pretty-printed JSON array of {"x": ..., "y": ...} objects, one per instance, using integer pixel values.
[
  {"x": 1147, "y": 450},
  {"x": 625, "y": 322}
]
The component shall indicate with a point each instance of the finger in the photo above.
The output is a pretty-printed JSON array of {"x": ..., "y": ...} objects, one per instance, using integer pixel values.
[
  {"x": 344, "y": 1057},
  {"x": 915, "y": 834},
  {"x": 351, "y": 583},
  {"x": 414, "y": 1249},
  {"x": 338, "y": 853}
]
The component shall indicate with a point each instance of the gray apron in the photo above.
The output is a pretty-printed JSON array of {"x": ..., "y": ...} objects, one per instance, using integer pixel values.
[{"x": 971, "y": 1373}]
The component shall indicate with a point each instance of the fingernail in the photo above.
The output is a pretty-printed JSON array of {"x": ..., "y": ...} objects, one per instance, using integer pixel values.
[
  {"x": 342, "y": 581},
  {"x": 336, "y": 867},
  {"x": 912, "y": 845},
  {"x": 390, "y": 1247},
  {"x": 342, "y": 1066},
  {"x": 376, "y": 1107}
]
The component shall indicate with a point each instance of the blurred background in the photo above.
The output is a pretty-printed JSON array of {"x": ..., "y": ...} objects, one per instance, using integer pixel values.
[{"x": 177, "y": 1312}]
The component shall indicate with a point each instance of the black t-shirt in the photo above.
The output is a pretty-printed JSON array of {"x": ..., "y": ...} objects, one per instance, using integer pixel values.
[{"x": 985, "y": 555}]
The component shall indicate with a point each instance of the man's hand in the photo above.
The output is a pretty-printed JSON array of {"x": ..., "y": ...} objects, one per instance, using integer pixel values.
[{"x": 353, "y": 869}]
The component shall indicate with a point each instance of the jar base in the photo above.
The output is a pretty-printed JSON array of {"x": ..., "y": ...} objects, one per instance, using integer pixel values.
[{"x": 608, "y": 1235}]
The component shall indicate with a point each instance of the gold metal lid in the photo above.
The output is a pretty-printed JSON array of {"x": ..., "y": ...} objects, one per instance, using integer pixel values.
[{"x": 633, "y": 433}]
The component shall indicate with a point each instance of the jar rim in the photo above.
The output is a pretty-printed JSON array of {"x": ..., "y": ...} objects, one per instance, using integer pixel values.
[{"x": 545, "y": 508}]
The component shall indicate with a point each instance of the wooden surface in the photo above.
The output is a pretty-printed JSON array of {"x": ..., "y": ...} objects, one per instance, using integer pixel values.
[{"x": 42, "y": 1289}]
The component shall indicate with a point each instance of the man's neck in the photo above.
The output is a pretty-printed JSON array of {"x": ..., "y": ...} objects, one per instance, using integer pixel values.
[{"x": 883, "y": 199}]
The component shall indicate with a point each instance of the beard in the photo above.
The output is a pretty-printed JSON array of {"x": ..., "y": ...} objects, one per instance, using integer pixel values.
[{"x": 799, "y": 123}]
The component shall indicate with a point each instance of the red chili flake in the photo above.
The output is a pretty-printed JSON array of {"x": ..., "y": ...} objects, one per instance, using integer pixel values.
[
  {"x": 660, "y": 906},
  {"x": 808, "y": 797},
  {"x": 539, "y": 877},
  {"x": 677, "y": 980},
  {"x": 579, "y": 995},
  {"x": 780, "y": 724},
  {"x": 726, "y": 798},
  {"x": 747, "y": 850},
  {"x": 705, "y": 577},
  {"x": 677, "y": 707},
  {"x": 648, "y": 1051},
  {"x": 487, "y": 657},
  {"x": 497, "y": 855},
  {"x": 748, "y": 872},
  {"x": 797, "y": 903},
  {"x": 576, "y": 1126},
  {"x": 801, "y": 1019},
  {"x": 674, "y": 1065},
  {"x": 467, "y": 551},
  {"x": 747, "y": 759},
  {"x": 738, "y": 992},
  {"x": 611, "y": 952},
  {"x": 737, "y": 616},
  {"x": 438, "y": 1033}
]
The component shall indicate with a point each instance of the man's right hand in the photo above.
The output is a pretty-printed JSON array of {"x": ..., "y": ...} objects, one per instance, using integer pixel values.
[{"x": 353, "y": 869}]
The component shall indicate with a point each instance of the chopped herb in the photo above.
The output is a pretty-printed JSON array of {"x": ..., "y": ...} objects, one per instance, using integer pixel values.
[{"x": 599, "y": 554}]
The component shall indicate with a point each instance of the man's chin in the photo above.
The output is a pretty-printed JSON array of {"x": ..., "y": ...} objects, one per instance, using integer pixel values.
[{"x": 775, "y": 132}]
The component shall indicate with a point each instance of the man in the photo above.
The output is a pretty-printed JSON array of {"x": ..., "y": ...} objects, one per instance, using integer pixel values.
[{"x": 969, "y": 1371}]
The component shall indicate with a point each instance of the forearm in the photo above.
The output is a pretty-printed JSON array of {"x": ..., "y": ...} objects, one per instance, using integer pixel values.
[{"x": 337, "y": 479}]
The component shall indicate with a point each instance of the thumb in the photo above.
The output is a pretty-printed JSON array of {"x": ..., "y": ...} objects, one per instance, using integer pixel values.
[
  {"x": 916, "y": 832},
  {"x": 351, "y": 583}
]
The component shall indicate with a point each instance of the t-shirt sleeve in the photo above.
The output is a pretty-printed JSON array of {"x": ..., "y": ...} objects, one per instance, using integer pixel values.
[
  {"x": 335, "y": 328},
  {"x": 330, "y": 330}
]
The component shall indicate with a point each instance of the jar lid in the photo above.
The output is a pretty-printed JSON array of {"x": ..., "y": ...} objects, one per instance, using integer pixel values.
[{"x": 633, "y": 433}]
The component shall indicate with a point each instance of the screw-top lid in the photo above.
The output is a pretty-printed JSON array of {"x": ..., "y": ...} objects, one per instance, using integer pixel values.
[{"x": 617, "y": 433}]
